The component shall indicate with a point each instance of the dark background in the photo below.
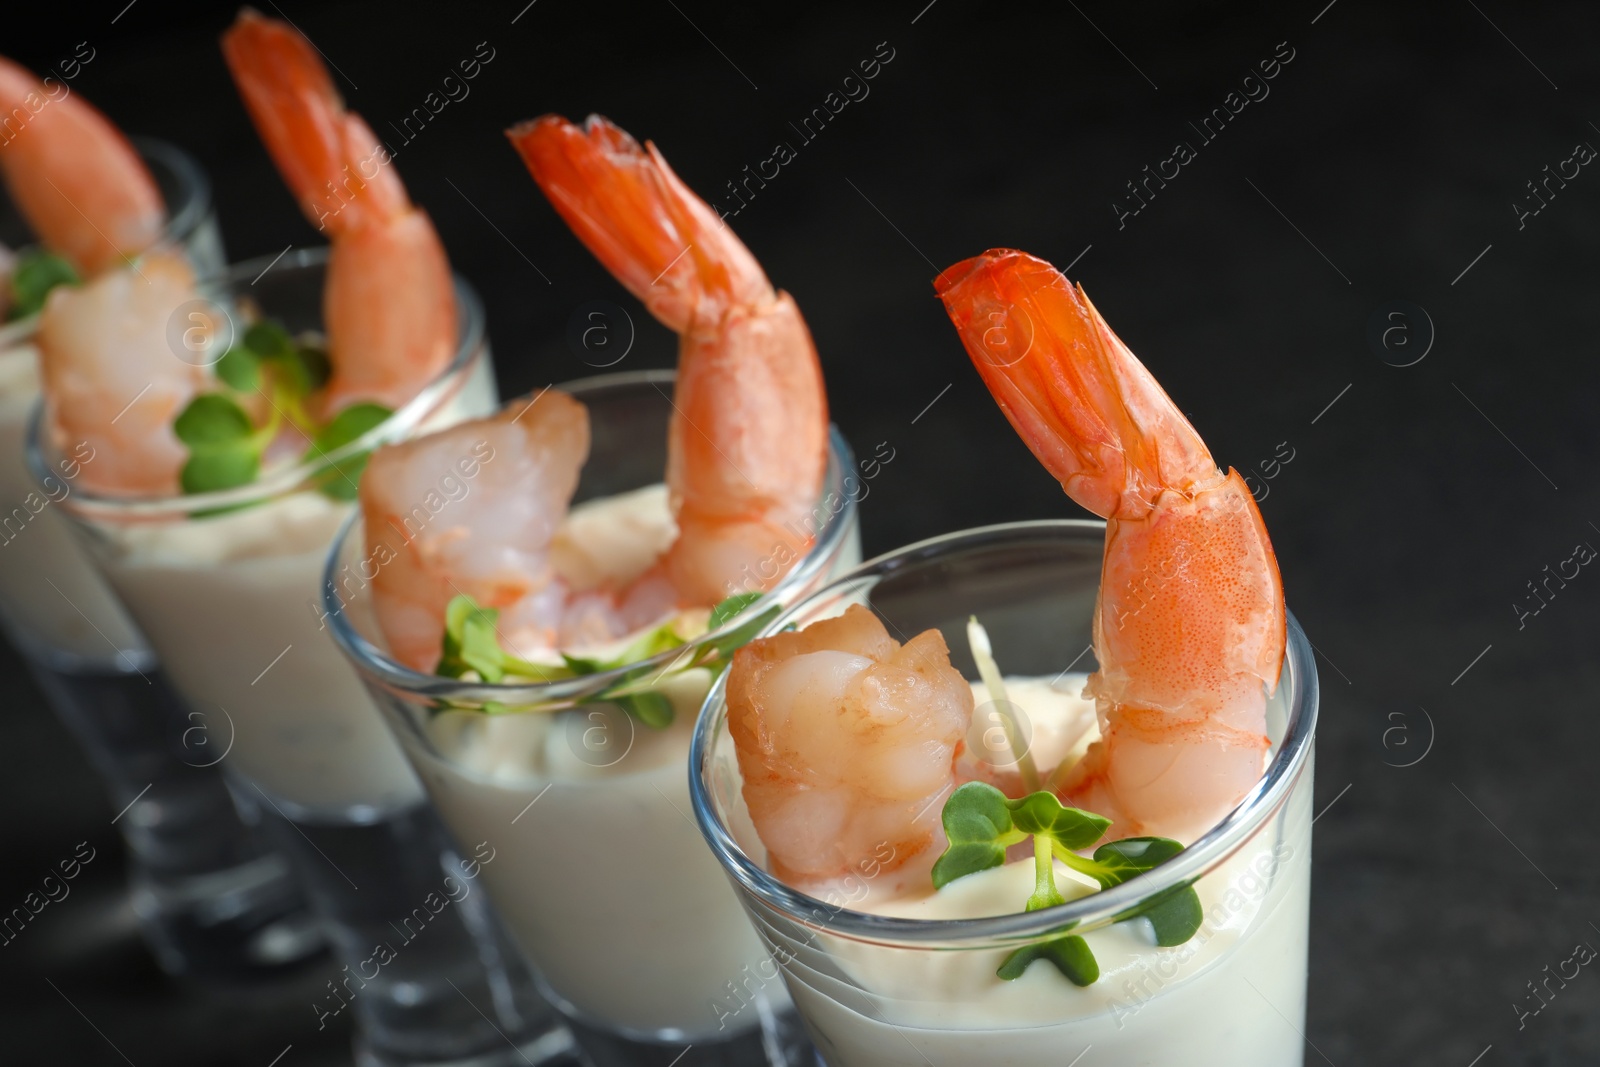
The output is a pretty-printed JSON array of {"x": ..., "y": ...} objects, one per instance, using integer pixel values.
[{"x": 1415, "y": 510}]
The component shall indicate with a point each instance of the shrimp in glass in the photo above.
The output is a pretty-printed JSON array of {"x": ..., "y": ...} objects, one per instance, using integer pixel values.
[
  {"x": 389, "y": 306},
  {"x": 1189, "y": 626},
  {"x": 73, "y": 175},
  {"x": 847, "y": 742},
  {"x": 747, "y": 444}
]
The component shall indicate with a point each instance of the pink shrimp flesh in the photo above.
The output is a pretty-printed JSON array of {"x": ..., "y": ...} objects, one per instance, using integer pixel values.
[
  {"x": 488, "y": 538},
  {"x": 112, "y": 379},
  {"x": 847, "y": 743},
  {"x": 747, "y": 444},
  {"x": 389, "y": 305},
  {"x": 1190, "y": 621},
  {"x": 73, "y": 175}
]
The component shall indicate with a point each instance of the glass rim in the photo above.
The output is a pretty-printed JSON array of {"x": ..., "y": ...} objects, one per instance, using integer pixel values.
[
  {"x": 185, "y": 214},
  {"x": 378, "y": 666},
  {"x": 470, "y": 336},
  {"x": 1089, "y": 912}
]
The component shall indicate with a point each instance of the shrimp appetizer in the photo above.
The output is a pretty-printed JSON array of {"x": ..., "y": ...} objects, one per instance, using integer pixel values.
[
  {"x": 113, "y": 384},
  {"x": 846, "y": 740},
  {"x": 1185, "y": 669},
  {"x": 746, "y": 448},
  {"x": 206, "y": 420}
]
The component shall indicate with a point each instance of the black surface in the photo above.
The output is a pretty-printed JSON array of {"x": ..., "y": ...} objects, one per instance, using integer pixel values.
[{"x": 1417, "y": 506}]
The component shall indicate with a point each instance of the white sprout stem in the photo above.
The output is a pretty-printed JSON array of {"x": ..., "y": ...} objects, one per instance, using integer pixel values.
[{"x": 989, "y": 670}]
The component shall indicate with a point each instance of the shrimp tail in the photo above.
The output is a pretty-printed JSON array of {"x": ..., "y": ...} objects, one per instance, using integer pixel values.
[
  {"x": 73, "y": 175},
  {"x": 666, "y": 245},
  {"x": 331, "y": 160},
  {"x": 1089, "y": 410}
]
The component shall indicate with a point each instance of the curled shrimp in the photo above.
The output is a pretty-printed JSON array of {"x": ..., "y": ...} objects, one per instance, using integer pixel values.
[
  {"x": 388, "y": 304},
  {"x": 473, "y": 510},
  {"x": 1189, "y": 624},
  {"x": 747, "y": 442},
  {"x": 111, "y": 378},
  {"x": 73, "y": 175},
  {"x": 847, "y": 742}
]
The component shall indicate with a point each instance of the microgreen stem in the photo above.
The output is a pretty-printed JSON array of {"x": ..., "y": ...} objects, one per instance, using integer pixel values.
[
  {"x": 1045, "y": 892},
  {"x": 989, "y": 670}
]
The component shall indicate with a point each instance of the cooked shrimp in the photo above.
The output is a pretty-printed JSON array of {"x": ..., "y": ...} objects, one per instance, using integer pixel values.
[
  {"x": 73, "y": 175},
  {"x": 388, "y": 305},
  {"x": 747, "y": 444},
  {"x": 847, "y": 743},
  {"x": 489, "y": 539},
  {"x": 111, "y": 378},
  {"x": 1189, "y": 625}
]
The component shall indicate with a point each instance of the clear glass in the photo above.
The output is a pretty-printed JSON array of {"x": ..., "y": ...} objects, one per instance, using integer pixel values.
[
  {"x": 225, "y": 587},
  {"x": 877, "y": 990},
  {"x": 602, "y": 878},
  {"x": 211, "y": 899}
]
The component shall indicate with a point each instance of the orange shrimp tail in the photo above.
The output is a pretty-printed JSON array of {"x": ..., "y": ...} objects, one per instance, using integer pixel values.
[
  {"x": 1089, "y": 410},
  {"x": 665, "y": 244},
  {"x": 330, "y": 159},
  {"x": 82, "y": 187}
]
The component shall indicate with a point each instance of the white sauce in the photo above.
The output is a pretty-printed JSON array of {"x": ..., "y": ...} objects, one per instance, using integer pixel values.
[{"x": 868, "y": 1005}]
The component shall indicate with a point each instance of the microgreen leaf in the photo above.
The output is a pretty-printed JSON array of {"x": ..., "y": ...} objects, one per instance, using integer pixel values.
[
  {"x": 978, "y": 827},
  {"x": 1043, "y": 814},
  {"x": 1070, "y": 954},
  {"x": 340, "y": 479},
  {"x": 1175, "y": 917},
  {"x": 470, "y": 642},
  {"x": 727, "y": 609},
  {"x": 269, "y": 340},
  {"x": 1119, "y": 861},
  {"x": 240, "y": 368},
  {"x": 212, "y": 419},
  {"x": 35, "y": 273},
  {"x": 649, "y": 706},
  {"x": 214, "y": 469},
  {"x": 306, "y": 368}
]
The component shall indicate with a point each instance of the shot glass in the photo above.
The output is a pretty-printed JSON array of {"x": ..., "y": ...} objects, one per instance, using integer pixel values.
[
  {"x": 602, "y": 877},
  {"x": 224, "y": 584},
  {"x": 881, "y": 991},
  {"x": 211, "y": 898}
]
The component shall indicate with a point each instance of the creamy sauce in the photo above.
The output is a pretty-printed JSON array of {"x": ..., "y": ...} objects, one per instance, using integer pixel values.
[{"x": 1191, "y": 1004}]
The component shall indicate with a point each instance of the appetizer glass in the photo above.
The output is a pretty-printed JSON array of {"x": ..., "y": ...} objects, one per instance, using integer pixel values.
[
  {"x": 211, "y": 899},
  {"x": 602, "y": 877},
  {"x": 224, "y": 585},
  {"x": 876, "y": 991}
]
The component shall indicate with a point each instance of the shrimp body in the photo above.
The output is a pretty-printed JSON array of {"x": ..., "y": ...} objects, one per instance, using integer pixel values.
[
  {"x": 112, "y": 380},
  {"x": 847, "y": 743},
  {"x": 388, "y": 303},
  {"x": 489, "y": 538},
  {"x": 748, "y": 442},
  {"x": 1189, "y": 627},
  {"x": 73, "y": 175}
]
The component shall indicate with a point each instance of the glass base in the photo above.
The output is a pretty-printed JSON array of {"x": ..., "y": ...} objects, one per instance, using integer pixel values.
[
  {"x": 779, "y": 1041},
  {"x": 211, "y": 901},
  {"x": 421, "y": 961}
]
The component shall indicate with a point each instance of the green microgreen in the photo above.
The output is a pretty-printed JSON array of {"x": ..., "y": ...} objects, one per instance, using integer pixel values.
[
  {"x": 226, "y": 447},
  {"x": 980, "y": 823},
  {"x": 471, "y": 644},
  {"x": 33, "y": 275}
]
